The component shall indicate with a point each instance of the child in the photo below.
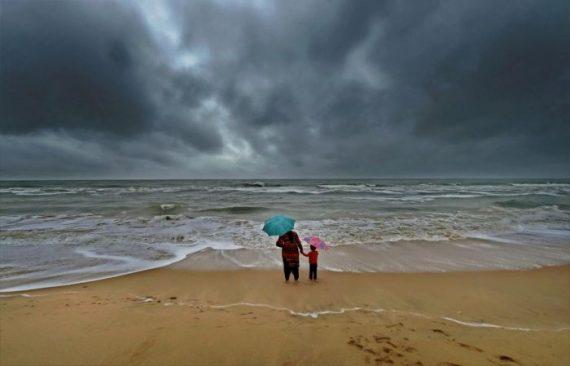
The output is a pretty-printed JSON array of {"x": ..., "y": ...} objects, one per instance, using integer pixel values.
[{"x": 313, "y": 255}]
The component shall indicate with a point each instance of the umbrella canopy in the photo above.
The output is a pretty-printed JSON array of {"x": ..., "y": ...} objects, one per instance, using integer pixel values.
[
  {"x": 278, "y": 225},
  {"x": 316, "y": 242}
]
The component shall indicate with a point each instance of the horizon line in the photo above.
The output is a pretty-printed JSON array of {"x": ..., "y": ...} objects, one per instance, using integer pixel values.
[{"x": 262, "y": 179}]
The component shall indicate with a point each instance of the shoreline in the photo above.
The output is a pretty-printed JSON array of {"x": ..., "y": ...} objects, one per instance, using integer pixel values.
[
  {"x": 182, "y": 265},
  {"x": 175, "y": 316},
  {"x": 9, "y": 292},
  {"x": 209, "y": 259}
]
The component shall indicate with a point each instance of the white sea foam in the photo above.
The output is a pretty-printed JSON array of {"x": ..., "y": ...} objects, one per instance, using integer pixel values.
[
  {"x": 310, "y": 314},
  {"x": 511, "y": 189},
  {"x": 167, "y": 206},
  {"x": 319, "y": 313},
  {"x": 486, "y": 325},
  {"x": 126, "y": 265},
  {"x": 328, "y": 312},
  {"x": 370, "y": 225},
  {"x": 20, "y": 295}
]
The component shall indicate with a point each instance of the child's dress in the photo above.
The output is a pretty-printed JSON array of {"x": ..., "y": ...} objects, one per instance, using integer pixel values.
[{"x": 313, "y": 259}]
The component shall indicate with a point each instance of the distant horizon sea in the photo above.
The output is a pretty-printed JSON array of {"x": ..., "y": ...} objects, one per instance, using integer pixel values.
[{"x": 57, "y": 232}]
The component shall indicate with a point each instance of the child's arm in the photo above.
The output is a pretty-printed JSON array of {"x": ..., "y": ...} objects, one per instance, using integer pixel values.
[{"x": 306, "y": 255}]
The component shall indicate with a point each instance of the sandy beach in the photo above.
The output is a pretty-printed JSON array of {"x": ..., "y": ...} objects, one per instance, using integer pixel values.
[
  {"x": 164, "y": 164},
  {"x": 175, "y": 316}
]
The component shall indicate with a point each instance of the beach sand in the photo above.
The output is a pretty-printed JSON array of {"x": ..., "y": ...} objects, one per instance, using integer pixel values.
[{"x": 175, "y": 316}]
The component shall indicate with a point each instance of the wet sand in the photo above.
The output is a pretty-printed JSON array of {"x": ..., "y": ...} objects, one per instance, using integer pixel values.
[{"x": 173, "y": 316}]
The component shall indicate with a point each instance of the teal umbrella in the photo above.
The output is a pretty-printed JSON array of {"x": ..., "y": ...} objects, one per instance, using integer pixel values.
[{"x": 278, "y": 225}]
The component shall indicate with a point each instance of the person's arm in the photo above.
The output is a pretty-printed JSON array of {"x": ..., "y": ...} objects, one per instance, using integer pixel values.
[
  {"x": 299, "y": 244},
  {"x": 306, "y": 255}
]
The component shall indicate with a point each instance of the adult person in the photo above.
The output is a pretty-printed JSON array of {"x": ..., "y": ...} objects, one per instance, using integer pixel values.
[{"x": 290, "y": 246}]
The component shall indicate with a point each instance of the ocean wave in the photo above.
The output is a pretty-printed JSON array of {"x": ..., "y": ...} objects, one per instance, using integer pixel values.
[
  {"x": 253, "y": 184},
  {"x": 437, "y": 189},
  {"x": 98, "y": 261},
  {"x": 527, "y": 203},
  {"x": 409, "y": 192},
  {"x": 266, "y": 190},
  {"x": 33, "y": 191},
  {"x": 97, "y": 191},
  {"x": 62, "y": 222},
  {"x": 134, "y": 219},
  {"x": 222, "y": 223},
  {"x": 113, "y": 266},
  {"x": 236, "y": 210},
  {"x": 546, "y": 184},
  {"x": 171, "y": 208},
  {"x": 168, "y": 206}
]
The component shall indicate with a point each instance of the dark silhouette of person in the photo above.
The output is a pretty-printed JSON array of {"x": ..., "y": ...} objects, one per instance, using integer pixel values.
[{"x": 290, "y": 246}]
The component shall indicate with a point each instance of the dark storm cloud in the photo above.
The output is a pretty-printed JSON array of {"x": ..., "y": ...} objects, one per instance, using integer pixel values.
[
  {"x": 482, "y": 82},
  {"x": 327, "y": 88},
  {"x": 72, "y": 65},
  {"x": 509, "y": 78},
  {"x": 82, "y": 67}
]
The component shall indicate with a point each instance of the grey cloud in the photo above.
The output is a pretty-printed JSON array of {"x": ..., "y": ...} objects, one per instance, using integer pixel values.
[
  {"x": 196, "y": 133},
  {"x": 72, "y": 65},
  {"x": 461, "y": 73},
  {"x": 509, "y": 82},
  {"x": 327, "y": 88}
]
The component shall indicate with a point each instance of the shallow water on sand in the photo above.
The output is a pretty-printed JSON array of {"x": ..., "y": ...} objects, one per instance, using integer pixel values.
[{"x": 56, "y": 232}]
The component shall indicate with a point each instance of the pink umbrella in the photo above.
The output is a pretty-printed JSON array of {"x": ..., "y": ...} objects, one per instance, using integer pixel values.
[{"x": 316, "y": 242}]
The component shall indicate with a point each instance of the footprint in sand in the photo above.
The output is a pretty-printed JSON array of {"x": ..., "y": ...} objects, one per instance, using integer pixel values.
[
  {"x": 470, "y": 347},
  {"x": 440, "y": 332},
  {"x": 380, "y": 339},
  {"x": 384, "y": 339},
  {"x": 384, "y": 355},
  {"x": 384, "y": 361},
  {"x": 355, "y": 343},
  {"x": 409, "y": 349},
  {"x": 141, "y": 351},
  {"x": 507, "y": 359}
]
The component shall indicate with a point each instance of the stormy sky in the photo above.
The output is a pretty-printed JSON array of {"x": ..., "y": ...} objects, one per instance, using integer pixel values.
[{"x": 277, "y": 89}]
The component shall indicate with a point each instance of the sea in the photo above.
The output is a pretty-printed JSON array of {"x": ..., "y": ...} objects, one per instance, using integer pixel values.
[{"x": 55, "y": 233}]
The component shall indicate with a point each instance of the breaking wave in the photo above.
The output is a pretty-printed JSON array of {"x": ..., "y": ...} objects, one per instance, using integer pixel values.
[{"x": 69, "y": 231}]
